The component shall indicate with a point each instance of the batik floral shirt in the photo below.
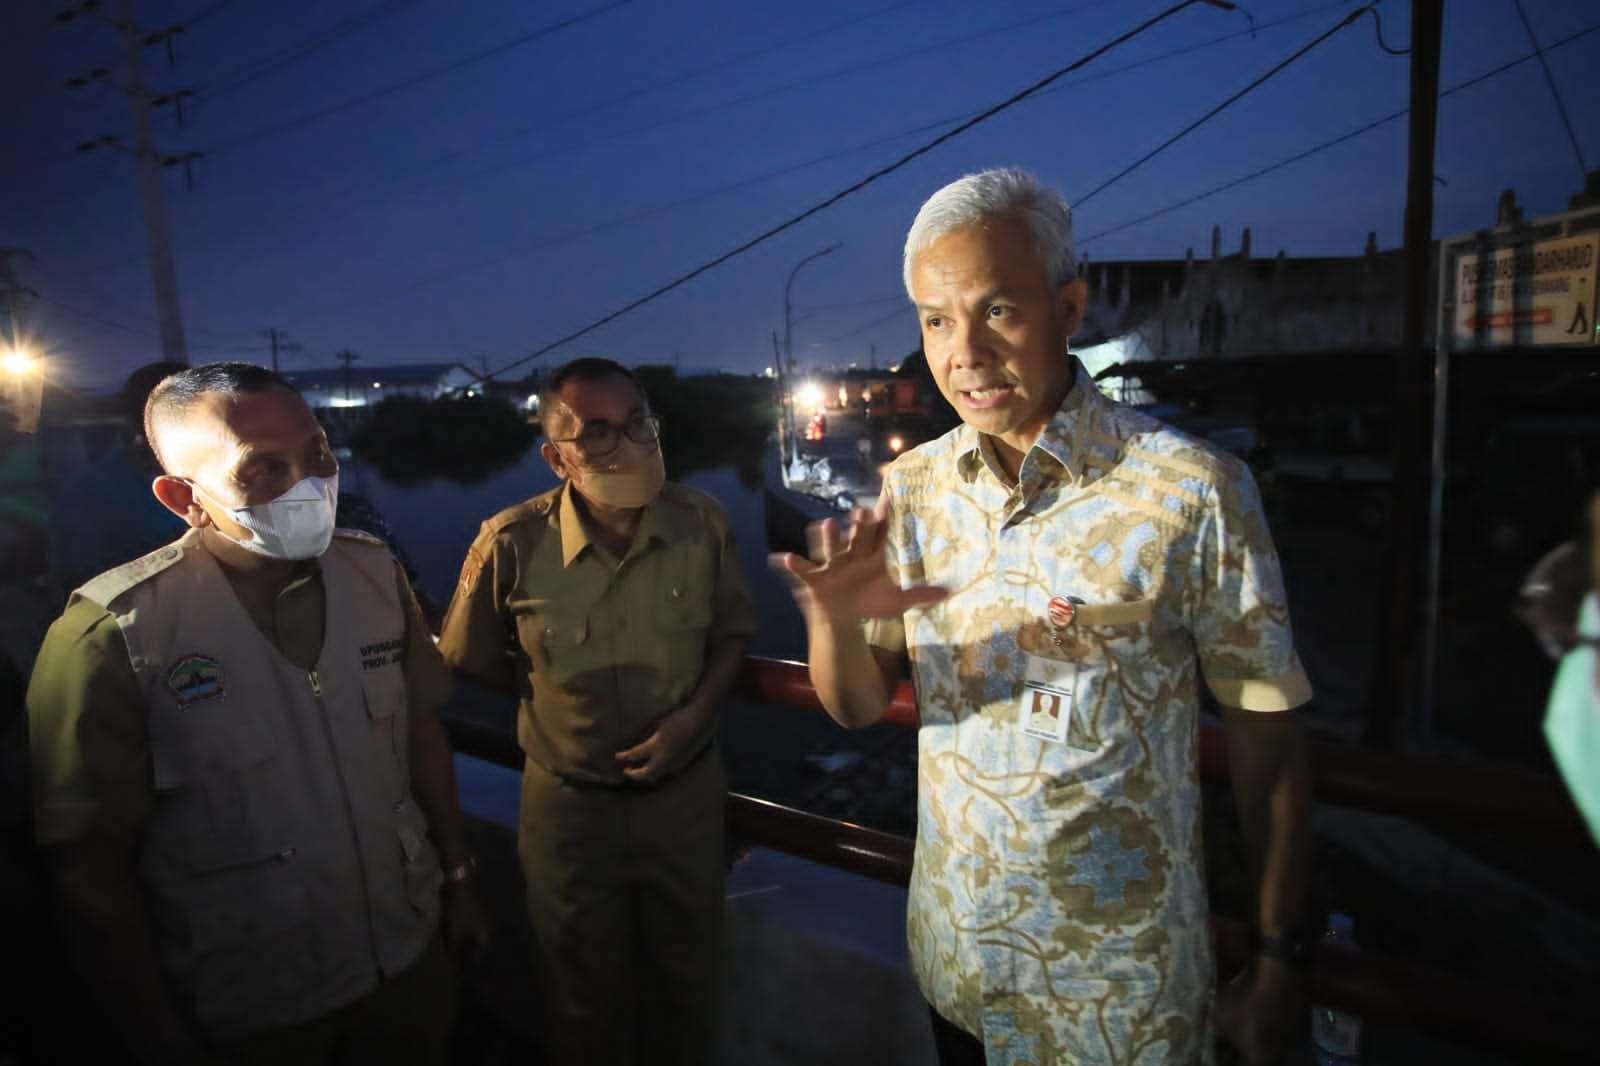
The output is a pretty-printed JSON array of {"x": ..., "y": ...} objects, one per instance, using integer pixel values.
[{"x": 1058, "y": 906}]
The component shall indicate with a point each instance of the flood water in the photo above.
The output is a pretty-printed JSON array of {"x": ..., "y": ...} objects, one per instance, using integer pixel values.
[{"x": 434, "y": 523}]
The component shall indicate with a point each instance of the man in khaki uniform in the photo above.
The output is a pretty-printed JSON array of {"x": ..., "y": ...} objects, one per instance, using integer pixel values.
[
  {"x": 615, "y": 607},
  {"x": 244, "y": 791}
]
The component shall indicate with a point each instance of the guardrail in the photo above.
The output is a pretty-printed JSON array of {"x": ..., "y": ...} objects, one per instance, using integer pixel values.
[{"x": 1384, "y": 990}]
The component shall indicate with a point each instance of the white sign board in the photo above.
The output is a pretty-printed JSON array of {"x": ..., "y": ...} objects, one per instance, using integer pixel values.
[{"x": 1540, "y": 293}]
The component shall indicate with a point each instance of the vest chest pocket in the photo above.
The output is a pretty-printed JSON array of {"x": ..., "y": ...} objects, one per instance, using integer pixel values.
[
  {"x": 384, "y": 690},
  {"x": 212, "y": 768}
]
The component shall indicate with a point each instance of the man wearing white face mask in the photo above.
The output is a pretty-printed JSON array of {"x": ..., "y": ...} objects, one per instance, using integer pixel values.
[
  {"x": 615, "y": 606},
  {"x": 245, "y": 792}
]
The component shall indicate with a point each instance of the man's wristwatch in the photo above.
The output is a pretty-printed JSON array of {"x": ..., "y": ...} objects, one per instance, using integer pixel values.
[
  {"x": 1291, "y": 946},
  {"x": 461, "y": 871}
]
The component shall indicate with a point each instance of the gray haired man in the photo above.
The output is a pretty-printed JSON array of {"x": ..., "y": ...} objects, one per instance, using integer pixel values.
[{"x": 1062, "y": 572}]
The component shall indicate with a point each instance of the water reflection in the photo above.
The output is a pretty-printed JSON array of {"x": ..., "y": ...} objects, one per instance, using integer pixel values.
[
  {"x": 435, "y": 521},
  {"x": 468, "y": 439}
]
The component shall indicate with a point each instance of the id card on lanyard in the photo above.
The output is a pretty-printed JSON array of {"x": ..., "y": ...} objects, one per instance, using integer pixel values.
[{"x": 1045, "y": 709}]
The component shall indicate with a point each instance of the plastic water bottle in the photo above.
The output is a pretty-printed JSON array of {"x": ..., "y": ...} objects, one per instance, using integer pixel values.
[{"x": 1336, "y": 1033}]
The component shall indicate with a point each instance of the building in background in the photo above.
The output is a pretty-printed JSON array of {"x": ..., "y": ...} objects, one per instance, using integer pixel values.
[
  {"x": 1233, "y": 305},
  {"x": 365, "y": 386}
]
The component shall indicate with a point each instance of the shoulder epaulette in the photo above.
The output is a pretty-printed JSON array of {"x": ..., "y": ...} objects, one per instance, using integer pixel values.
[
  {"x": 691, "y": 497},
  {"x": 361, "y": 537},
  {"x": 113, "y": 583},
  {"x": 537, "y": 508}
]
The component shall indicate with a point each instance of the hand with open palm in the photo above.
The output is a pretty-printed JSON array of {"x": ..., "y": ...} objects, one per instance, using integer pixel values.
[{"x": 847, "y": 577}]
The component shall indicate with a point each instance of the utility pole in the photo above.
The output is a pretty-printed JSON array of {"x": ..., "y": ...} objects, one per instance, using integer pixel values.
[
  {"x": 347, "y": 357},
  {"x": 786, "y": 427},
  {"x": 280, "y": 342},
  {"x": 21, "y": 376},
  {"x": 12, "y": 294},
  {"x": 1394, "y": 676},
  {"x": 163, "y": 272}
]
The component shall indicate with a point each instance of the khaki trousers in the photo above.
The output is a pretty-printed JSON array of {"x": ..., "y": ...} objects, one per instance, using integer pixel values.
[{"x": 625, "y": 894}]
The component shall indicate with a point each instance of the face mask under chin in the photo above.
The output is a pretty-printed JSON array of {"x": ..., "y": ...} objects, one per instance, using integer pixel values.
[{"x": 634, "y": 485}]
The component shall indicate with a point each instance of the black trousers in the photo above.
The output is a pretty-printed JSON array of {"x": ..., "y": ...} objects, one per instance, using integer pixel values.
[{"x": 956, "y": 1046}]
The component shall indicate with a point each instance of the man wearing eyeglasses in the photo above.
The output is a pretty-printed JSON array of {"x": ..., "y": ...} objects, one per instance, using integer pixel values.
[{"x": 614, "y": 606}]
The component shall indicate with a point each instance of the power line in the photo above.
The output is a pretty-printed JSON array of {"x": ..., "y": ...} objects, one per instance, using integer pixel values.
[
  {"x": 1348, "y": 20},
  {"x": 252, "y": 71},
  {"x": 1377, "y": 28},
  {"x": 369, "y": 187},
  {"x": 923, "y": 127},
  {"x": 657, "y": 86},
  {"x": 1325, "y": 145},
  {"x": 205, "y": 13},
  {"x": 749, "y": 98},
  {"x": 875, "y": 176},
  {"x": 876, "y": 322},
  {"x": 651, "y": 127},
  {"x": 721, "y": 64},
  {"x": 899, "y": 296},
  {"x": 294, "y": 53},
  {"x": 273, "y": 130},
  {"x": 87, "y": 288},
  {"x": 659, "y": 209},
  {"x": 92, "y": 317},
  {"x": 638, "y": 216},
  {"x": 614, "y": 223},
  {"x": 1555, "y": 93}
]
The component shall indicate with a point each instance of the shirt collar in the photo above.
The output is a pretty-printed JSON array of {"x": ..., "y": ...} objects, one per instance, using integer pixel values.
[
  {"x": 661, "y": 521},
  {"x": 1061, "y": 439}
]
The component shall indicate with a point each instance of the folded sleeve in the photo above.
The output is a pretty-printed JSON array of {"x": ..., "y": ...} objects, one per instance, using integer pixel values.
[
  {"x": 477, "y": 632},
  {"x": 88, "y": 737},
  {"x": 1240, "y": 612},
  {"x": 735, "y": 609}
]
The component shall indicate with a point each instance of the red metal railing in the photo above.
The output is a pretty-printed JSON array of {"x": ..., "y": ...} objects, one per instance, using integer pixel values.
[
  {"x": 1490, "y": 799},
  {"x": 1385, "y": 990}
]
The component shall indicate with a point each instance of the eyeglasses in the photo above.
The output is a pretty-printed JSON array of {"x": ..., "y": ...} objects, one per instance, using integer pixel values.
[{"x": 601, "y": 438}]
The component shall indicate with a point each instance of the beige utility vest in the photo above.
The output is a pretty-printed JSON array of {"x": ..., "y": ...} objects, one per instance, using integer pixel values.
[{"x": 287, "y": 866}]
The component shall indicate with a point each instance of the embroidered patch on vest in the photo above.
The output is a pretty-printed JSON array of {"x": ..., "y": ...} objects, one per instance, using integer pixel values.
[{"x": 195, "y": 678}]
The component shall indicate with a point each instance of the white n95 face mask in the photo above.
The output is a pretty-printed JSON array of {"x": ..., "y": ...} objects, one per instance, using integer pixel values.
[{"x": 296, "y": 525}]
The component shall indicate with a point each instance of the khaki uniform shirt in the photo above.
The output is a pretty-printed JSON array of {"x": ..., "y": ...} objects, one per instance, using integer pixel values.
[
  {"x": 604, "y": 647},
  {"x": 89, "y": 745},
  {"x": 1058, "y": 906}
]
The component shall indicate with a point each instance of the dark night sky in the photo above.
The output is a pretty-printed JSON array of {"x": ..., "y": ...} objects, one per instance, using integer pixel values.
[{"x": 489, "y": 209}]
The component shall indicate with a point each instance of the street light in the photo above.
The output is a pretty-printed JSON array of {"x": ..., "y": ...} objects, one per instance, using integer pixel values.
[
  {"x": 788, "y": 328},
  {"x": 19, "y": 363},
  {"x": 788, "y": 305}
]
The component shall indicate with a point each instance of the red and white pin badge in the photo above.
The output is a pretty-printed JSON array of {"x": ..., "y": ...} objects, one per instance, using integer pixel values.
[{"x": 1062, "y": 611}]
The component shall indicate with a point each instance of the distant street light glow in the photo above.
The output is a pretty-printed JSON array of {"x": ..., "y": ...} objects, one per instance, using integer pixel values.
[
  {"x": 810, "y": 395},
  {"x": 19, "y": 363},
  {"x": 897, "y": 443}
]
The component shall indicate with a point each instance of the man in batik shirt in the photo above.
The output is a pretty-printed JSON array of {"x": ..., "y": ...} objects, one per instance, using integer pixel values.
[{"x": 1062, "y": 573}]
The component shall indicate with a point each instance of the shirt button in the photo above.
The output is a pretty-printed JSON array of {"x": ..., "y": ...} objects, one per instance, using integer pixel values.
[
  {"x": 677, "y": 593},
  {"x": 549, "y": 631},
  {"x": 399, "y": 805}
]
